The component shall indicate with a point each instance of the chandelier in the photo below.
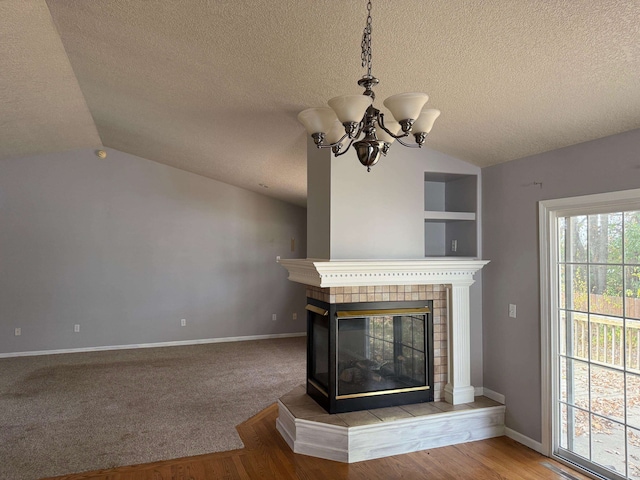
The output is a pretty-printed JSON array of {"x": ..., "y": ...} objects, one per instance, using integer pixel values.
[{"x": 351, "y": 116}]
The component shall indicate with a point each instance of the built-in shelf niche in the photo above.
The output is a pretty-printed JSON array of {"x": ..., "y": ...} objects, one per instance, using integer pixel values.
[{"x": 450, "y": 209}]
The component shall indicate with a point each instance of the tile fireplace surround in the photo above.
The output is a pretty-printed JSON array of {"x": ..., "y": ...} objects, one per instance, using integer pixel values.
[{"x": 446, "y": 282}]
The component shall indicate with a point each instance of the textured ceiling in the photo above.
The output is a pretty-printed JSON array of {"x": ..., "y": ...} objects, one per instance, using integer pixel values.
[
  {"x": 41, "y": 106},
  {"x": 214, "y": 87}
]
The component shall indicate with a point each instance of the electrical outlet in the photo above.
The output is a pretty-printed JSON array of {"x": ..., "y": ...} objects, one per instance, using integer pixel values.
[
  {"x": 294, "y": 316},
  {"x": 277, "y": 258},
  {"x": 454, "y": 245},
  {"x": 76, "y": 328},
  {"x": 17, "y": 332},
  {"x": 183, "y": 322},
  {"x": 274, "y": 317},
  {"x": 512, "y": 310}
]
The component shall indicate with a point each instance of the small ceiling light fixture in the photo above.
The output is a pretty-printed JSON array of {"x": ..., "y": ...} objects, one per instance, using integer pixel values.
[
  {"x": 101, "y": 154},
  {"x": 352, "y": 115}
]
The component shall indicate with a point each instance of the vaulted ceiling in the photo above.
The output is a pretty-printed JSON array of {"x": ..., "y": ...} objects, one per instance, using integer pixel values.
[{"x": 214, "y": 86}]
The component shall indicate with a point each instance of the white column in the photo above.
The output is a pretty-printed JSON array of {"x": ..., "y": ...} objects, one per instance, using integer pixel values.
[{"x": 459, "y": 389}]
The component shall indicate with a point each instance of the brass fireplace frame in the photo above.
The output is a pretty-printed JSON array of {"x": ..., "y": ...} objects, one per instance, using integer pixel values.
[{"x": 328, "y": 397}]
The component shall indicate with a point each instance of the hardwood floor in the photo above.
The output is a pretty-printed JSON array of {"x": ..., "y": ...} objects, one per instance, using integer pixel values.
[{"x": 267, "y": 456}]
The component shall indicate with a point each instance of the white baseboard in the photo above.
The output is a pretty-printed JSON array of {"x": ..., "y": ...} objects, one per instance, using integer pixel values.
[
  {"x": 498, "y": 397},
  {"x": 153, "y": 345},
  {"x": 518, "y": 437},
  {"x": 524, "y": 440}
]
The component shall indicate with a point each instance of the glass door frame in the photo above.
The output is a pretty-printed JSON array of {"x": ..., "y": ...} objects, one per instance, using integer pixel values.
[{"x": 548, "y": 213}]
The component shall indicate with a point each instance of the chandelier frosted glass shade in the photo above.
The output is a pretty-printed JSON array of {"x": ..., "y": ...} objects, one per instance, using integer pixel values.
[
  {"x": 350, "y": 108},
  {"x": 424, "y": 123},
  {"x": 406, "y": 106},
  {"x": 335, "y": 134},
  {"x": 317, "y": 120},
  {"x": 393, "y": 127}
]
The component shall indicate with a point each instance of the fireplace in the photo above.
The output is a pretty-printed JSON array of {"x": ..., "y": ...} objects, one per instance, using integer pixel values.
[
  {"x": 368, "y": 355},
  {"x": 445, "y": 281},
  {"x": 442, "y": 286}
]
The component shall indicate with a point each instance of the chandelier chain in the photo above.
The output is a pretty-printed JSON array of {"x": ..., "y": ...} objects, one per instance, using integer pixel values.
[{"x": 366, "y": 42}]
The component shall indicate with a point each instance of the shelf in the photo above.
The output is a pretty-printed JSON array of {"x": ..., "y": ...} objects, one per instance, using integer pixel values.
[
  {"x": 450, "y": 215},
  {"x": 435, "y": 216}
]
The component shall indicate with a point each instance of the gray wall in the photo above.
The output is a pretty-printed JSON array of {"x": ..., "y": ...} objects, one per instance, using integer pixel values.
[
  {"x": 318, "y": 201},
  {"x": 127, "y": 247},
  {"x": 355, "y": 214},
  {"x": 510, "y": 241},
  {"x": 380, "y": 214}
]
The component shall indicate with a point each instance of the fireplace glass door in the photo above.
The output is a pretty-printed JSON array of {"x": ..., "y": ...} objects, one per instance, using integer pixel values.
[
  {"x": 369, "y": 354},
  {"x": 319, "y": 358},
  {"x": 380, "y": 353}
]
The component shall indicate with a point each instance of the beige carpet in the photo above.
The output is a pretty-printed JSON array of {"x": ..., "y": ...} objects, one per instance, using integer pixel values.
[{"x": 76, "y": 412}]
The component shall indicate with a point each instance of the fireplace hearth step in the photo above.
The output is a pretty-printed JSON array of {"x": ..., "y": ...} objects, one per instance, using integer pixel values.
[{"x": 364, "y": 435}]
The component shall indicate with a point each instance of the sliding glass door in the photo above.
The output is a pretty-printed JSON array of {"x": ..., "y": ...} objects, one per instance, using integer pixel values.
[{"x": 596, "y": 317}]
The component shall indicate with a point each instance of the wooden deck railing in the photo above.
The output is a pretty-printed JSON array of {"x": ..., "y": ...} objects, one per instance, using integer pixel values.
[{"x": 607, "y": 341}]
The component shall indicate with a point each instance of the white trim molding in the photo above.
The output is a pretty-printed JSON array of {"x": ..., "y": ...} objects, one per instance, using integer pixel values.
[
  {"x": 352, "y": 273},
  {"x": 153, "y": 345},
  {"x": 459, "y": 390},
  {"x": 498, "y": 397},
  {"x": 524, "y": 440},
  {"x": 547, "y": 227}
]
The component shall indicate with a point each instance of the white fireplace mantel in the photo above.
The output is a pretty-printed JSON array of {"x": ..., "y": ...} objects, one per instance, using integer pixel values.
[
  {"x": 455, "y": 272},
  {"x": 351, "y": 273}
]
